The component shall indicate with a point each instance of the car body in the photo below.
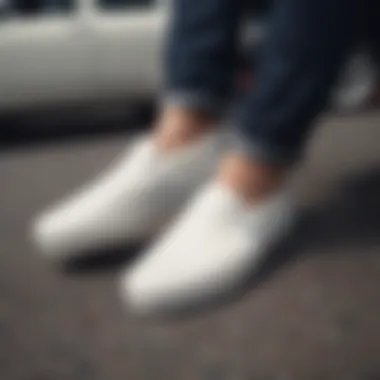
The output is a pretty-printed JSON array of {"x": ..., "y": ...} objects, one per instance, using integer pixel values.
[{"x": 88, "y": 51}]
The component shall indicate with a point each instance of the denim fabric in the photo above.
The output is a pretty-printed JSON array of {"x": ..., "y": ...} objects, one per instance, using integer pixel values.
[
  {"x": 306, "y": 44},
  {"x": 202, "y": 48}
]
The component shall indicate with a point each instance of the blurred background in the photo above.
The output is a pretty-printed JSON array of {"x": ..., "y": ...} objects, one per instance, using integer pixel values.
[
  {"x": 97, "y": 62},
  {"x": 78, "y": 80}
]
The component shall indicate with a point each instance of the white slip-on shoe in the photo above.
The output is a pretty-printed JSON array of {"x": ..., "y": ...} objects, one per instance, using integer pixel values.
[
  {"x": 131, "y": 201},
  {"x": 208, "y": 253}
]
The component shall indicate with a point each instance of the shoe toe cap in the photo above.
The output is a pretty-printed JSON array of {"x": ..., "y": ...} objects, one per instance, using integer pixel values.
[
  {"x": 45, "y": 234},
  {"x": 143, "y": 293},
  {"x": 56, "y": 235},
  {"x": 154, "y": 291}
]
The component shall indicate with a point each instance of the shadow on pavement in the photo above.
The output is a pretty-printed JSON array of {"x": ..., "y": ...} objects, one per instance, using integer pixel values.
[
  {"x": 105, "y": 260},
  {"x": 350, "y": 218}
]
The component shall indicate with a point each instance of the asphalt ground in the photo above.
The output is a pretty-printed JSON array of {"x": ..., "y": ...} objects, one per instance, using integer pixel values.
[{"x": 313, "y": 312}]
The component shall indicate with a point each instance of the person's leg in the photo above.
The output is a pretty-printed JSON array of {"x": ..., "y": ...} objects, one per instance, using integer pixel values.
[
  {"x": 306, "y": 45},
  {"x": 233, "y": 222},
  {"x": 201, "y": 53},
  {"x": 371, "y": 28},
  {"x": 371, "y": 37},
  {"x": 199, "y": 65}
]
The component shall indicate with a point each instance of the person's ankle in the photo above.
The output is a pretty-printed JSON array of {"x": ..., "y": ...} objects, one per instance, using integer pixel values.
[
  {"x": 178, "y": 127},
  {"x": 253, "y": 181}
]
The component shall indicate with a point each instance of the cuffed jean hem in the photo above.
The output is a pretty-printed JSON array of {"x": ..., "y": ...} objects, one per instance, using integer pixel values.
[
  {"x": 197, "y": 100},
  {"x": 254, "y": 148},
  {"x": 263, "y": 151}
]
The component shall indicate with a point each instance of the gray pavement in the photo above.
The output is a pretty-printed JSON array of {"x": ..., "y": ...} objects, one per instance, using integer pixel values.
[{"x": 312, "y": 314}]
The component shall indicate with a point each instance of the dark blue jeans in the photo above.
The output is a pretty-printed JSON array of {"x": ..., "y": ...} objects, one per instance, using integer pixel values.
[{"x": 306, "y": 44}]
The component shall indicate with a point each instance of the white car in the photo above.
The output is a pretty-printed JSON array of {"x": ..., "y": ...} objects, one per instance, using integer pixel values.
[{"x": 59, "y": 52}]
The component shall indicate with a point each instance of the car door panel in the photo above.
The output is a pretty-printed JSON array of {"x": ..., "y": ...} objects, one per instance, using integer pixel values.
[
  {"x": 129, "y": 46},
  {"x": 44, "y": 61}
]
